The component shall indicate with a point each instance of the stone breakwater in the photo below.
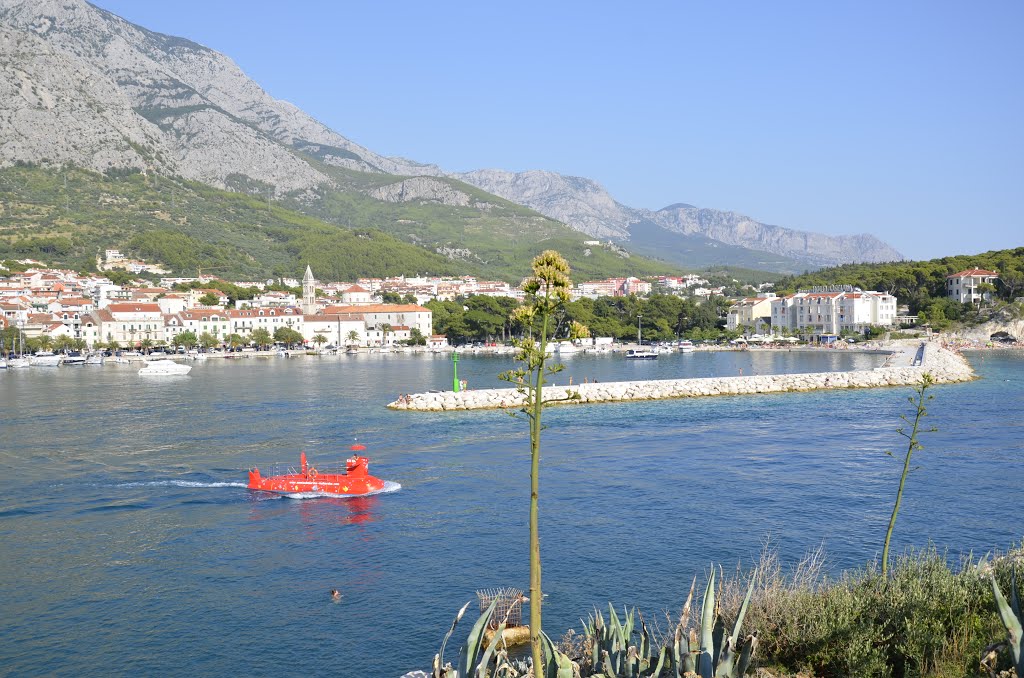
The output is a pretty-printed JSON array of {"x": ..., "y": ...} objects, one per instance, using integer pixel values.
[{"x": 901, "y": 369}]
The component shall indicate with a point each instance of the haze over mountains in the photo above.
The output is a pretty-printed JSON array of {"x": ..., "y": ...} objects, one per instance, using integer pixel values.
[{"x": 85, "y": 87}]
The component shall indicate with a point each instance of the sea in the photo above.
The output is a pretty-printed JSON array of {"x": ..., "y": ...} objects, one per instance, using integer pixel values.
[{"x": 129, "y": 544}]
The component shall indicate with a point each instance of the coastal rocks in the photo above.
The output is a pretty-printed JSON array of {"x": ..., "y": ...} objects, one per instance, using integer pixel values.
[{"x": 943, "y": 365}]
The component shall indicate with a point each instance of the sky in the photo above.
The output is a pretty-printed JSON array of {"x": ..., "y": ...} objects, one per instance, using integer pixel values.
[{"x": 904, "y": 120}]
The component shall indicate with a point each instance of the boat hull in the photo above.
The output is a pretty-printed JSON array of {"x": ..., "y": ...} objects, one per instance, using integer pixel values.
[
  {"x": 354, "y": 481},
  {"x": 297, "y": 483}
]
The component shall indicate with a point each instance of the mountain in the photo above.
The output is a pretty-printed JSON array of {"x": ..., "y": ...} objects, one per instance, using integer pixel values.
[
  {"x": 587, "y": 206},
  {"x": 87, "y": 88}
]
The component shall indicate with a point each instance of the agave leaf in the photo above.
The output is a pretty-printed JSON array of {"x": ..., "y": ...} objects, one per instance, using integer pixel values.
[
  {"x": 448, "y": 635},
  {"x": 1014, "y": 602},
  {"x": 481, "y": 668},
  {"x": 684, "y": 616},
  {"x": 749, "y": 647},
  {"x": 468, "y": 657},
  {"x": 661, "y": 663},
  {"x": 606, "y": 665},
  {"x": 1012, "y": 624},
  {"x": 735, "y": 637},
  {"x": 724, "y": 664},
  {"x": 707, "y": 623},
  {"x": 716, "y": 638},
  {"x": 645, "y": 639}
]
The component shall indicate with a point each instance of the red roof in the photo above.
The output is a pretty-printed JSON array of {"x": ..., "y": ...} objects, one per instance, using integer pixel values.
[
  {"x": 972, "y": 271},
  {"x": 134, "y": 308},
  {"x": 376, "y": 308}
]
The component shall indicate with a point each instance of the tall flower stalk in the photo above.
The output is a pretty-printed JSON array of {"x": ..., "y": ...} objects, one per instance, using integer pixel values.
[
  {"x": 547, "y": 291},
  {"x": 917, "y": 400}
]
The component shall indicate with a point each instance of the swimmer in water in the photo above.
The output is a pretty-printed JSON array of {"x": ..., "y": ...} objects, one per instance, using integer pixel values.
[{"x": 335, "y": 595}]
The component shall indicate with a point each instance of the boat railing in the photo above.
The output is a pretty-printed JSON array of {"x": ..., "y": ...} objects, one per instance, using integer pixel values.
[{"x": 281, "y": 468}]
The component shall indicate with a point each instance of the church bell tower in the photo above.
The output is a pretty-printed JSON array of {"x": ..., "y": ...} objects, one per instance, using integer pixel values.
[{"x": 308, "y": 292}]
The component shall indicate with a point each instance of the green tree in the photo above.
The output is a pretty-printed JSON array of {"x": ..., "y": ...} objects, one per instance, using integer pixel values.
[
  {"x": 209, "y": 299},
  {"x": 235, "y": 340},
  {"x": 186, "y": 339},
  {"x": 118, "y": 277},
  {"x": 146, "y": 344},
  {"x": 385, "y": 328},
  {"x": 917, "y": 400},
  {"x": 287, "y": 336},
  {"x": 44, "y": 342},
  {"x": 261, "y": 337},
  {"x": 63, "y": 343},
  {"x": 319, "y": 340},
  {"x": 208, "y": 340},
  {"x": 353, "y": 338},
  {"x": 547, "y": 291},
  {"x": 416, "y": 337},
  {"x": 390, "y": 298}
]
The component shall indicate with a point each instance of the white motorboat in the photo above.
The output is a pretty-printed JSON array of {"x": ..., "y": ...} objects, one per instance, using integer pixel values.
[
  {"x": 686, "y": 346},
  {"x": 19, "y": 362},
  {"x": 641, "y": 354},
  {"x": 75, "y": 358},
  {"x": 94, "y": 359},
  {"x": 566, "y": 348},
  {"x": 165, "y": 368},
  {"x": 46, "y": 359}
]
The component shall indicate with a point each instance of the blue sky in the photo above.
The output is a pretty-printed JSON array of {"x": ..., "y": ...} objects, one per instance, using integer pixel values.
[{"x": 903, "y": 120}]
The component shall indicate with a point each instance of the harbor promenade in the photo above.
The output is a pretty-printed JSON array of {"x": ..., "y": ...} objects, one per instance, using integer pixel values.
[{"x": 903, "y": 367}]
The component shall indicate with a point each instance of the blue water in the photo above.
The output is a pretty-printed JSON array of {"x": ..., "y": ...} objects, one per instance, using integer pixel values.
[{"x": 128, "y": 545}]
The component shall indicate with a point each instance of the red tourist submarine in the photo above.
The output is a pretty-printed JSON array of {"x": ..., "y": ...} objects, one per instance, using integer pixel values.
[{"x": 354, "y": 480}]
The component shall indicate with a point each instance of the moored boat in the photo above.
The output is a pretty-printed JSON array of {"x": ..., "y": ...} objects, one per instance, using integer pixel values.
[
  {"x": 46, "y": 359},
  {"x": 351, "y": 479},
  {"x": 165, "y": 368},
  {"x": 686, "y": 346},
  {"x": 641, "y": 354},
  {"x": 566, "y": 348}
]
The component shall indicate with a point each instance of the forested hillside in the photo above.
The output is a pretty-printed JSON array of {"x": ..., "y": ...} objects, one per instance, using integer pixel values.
[{"x": 65, "y": 217}]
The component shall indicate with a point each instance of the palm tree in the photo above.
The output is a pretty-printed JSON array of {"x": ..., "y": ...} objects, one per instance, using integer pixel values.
[
  {"x": 235, "y": 340},
  {"x": 353, "y": 337},
  {"x": 384, "y": 328},
  {"x": 146, "y": 344},
  {"x": 319, "y": 340},
  {"x": 45, "y": 341}
]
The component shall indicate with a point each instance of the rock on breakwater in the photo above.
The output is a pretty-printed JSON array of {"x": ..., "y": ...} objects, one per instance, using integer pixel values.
[{"x": 944, "y": 365}]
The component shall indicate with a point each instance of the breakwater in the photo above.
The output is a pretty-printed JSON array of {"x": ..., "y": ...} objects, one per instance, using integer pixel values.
[{"x": 904, "y": 366}]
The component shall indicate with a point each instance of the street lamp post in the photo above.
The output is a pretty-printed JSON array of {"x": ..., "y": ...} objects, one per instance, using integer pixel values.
[{"x": 639, "y": 318}]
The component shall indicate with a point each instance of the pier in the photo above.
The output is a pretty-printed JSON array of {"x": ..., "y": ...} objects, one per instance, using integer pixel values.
[{"x": 904, "y": 367}]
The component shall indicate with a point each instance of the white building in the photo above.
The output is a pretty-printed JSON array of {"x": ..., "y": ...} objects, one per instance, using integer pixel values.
[
  {"x": 963, "y": 286},
  {"x": 374, "y": 316},
  {"x": 129, "y": 323},
  {"x": 832, "y": 312},
  {"x": 751, "y": 312}
]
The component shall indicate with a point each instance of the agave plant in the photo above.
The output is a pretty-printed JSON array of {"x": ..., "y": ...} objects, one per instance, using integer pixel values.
[
  {"x": 703, "y": 650},
  {"x": 1011, "y": 618}
]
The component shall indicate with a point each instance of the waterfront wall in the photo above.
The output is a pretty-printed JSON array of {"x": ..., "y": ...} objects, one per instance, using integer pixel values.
[{"x": 900, "y": 369}]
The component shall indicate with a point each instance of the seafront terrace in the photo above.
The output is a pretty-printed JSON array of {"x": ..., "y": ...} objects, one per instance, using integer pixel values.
[{"x": 906, "y": 364}]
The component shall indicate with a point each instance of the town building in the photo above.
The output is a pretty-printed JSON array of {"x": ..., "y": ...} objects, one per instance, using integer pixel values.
[
  {"x": 753, "y": 313},
  {"x": 826, "y": 311},
  {"x": 964, "y": 286}
]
